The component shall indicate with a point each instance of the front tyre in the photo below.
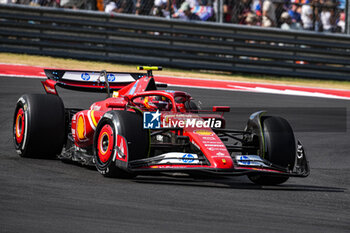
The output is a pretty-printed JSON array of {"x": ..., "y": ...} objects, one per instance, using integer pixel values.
[{"x": 279, "y": 149}]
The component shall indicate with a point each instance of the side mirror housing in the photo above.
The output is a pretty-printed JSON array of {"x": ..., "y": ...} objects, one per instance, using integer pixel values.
[{"x": 221, "y": 108}]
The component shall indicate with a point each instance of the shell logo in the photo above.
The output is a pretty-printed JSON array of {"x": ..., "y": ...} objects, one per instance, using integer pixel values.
[
  {"x": 81, "y": 127},
  {"x": 203, "y": 132},
  {"x": 115, "y": 94}
]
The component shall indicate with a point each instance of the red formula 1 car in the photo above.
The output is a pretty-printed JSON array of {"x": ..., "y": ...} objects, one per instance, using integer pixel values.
[{"x": 143, "y": 130}]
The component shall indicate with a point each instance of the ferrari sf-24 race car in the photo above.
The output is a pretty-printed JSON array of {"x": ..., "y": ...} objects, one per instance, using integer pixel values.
[{"x": 143, "y": 130}]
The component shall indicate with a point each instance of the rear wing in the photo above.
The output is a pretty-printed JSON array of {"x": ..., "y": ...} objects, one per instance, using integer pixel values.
[{"x": 91, "y": 81}]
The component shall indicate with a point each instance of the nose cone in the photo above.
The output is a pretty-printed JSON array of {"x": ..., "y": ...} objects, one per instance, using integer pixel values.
[{"x": 212, "y": 147}]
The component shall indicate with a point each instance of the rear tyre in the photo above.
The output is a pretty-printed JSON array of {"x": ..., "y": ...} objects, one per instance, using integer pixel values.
[
  {"x": 39, "y": 126},
  {"x": 119, "y": 138},
  {"x": 280, "y": 148}
]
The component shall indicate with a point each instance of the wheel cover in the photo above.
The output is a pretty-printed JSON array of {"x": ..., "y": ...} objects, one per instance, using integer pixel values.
[
  {"x": 20, "y": 126},
  {"x": 105, "y": 143}
]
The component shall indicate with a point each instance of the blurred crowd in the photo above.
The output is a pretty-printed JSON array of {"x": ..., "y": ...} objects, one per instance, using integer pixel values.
[{"x": 311, "y": 15}]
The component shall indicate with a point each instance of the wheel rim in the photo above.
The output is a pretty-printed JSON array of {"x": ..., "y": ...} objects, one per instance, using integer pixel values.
[
  {"x": 105, "y": 143},
  {"x": 19, "y": 126}
]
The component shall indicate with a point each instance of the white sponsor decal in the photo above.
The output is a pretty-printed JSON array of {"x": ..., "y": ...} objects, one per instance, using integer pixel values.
[
  {"x": 90, "y": 120},
  {"x": 214, "y": 145},
  {"x": 178, "y": 158},
  {"x": 209, "y": 138},
  {"x": 21, "y": 100},
  {"x": 108, "y": 115},
  {"x": 250, "y": 160},
  {"x": 217, "y": 149},
  {"x": 95, "y": 107},
  {"x": 212, "y": 142},
  {"x": 93, "y": 77}
]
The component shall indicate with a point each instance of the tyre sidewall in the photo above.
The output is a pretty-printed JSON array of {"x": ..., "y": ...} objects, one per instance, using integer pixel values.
[
  {"x": 105, "y": 168},
  {"x": 277, "y": 145},
  {"x": 44, "y": 131},
  {"x": 280, "y": 145},
  {"x": 21, "y": 147}
]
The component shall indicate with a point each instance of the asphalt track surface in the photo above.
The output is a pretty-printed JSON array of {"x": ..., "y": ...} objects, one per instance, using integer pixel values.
[{"x": 38, "y": 195}]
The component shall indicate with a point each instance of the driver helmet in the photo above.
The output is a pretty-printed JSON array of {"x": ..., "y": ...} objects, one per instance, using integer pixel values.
[{"x": 153, "y": 103}]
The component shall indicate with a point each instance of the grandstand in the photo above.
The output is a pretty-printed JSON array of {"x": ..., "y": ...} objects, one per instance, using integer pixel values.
[{"x": 309, "y": 15}]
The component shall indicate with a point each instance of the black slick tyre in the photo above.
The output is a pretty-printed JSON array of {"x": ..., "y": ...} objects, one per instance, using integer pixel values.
[
  {"x": 39, "y": 126},
  {"x": 119, "y": 138},
  {"x": 280, "y": 148}
]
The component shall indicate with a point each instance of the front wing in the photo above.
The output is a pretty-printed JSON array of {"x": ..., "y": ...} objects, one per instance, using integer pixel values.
[{"x": 243, "y": 164}]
